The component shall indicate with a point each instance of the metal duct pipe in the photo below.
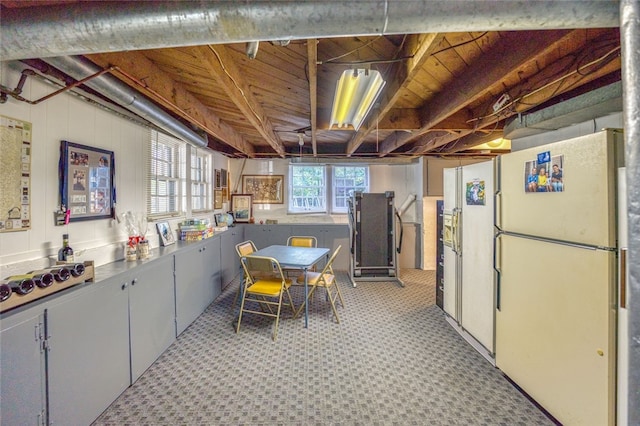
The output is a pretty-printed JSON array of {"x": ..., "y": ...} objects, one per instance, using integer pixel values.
[
  {"x": 107, "y": 26},
  {"x": 109, "y": 86}
]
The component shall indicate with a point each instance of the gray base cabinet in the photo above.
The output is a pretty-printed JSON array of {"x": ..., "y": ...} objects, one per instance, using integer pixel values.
[
  {"x": 89, "y": 353},
  {"x": 101, "y": 341},
  {"x": 22, "y": 374},
  {"x": 266, "y": 235},
  {"x": 328, "y": 235},
  {"x": 230, "y": 261},
  {"x": 64, "y": 360},
  {"x": 152, "y": 326},
  {"x": 197, "y": 280},
  {"x": 212, "y": 271}
]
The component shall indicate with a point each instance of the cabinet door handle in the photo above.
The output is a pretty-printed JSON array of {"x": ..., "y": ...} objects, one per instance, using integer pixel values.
[
  {"x": 124, "y": 285},
  {"x": 134, "y": 281}
]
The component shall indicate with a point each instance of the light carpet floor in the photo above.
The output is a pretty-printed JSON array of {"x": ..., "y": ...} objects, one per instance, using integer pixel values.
[{"x": 393, "y": 360}]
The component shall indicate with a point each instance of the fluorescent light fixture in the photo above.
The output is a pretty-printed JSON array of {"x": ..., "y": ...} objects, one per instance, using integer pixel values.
[{"x": 356, "y": 92}]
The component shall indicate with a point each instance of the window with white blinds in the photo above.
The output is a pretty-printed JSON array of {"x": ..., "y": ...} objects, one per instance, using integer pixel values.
[
  {"x": 166, "y": 175},
  {"x": 201, "y": 198}
]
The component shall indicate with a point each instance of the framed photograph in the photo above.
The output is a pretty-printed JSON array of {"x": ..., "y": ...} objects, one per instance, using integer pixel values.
[
  {"x": 166, "y": 234},
  {"x": 266, "y": 189},
  {"x": 241, "y": 207},
  {"x": 217, "y": 179},
  {"x": 217, "y": 198},
  {"x": 223, "y": 178},
  {"x": 87, "y": 187}
]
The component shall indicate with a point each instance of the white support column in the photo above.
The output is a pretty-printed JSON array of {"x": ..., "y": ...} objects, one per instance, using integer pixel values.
[{"x": 630, "y": 43}]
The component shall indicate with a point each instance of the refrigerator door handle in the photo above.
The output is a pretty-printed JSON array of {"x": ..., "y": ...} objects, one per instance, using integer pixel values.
[
  {"x": 454, "y": 231},
  {"x": 623, "y": 278},
  {"x": 497, "y": 266},
  {"x": 497, "y": 210}
]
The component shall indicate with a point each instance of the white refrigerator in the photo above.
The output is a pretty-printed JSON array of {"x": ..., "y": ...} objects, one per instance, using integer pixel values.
[
  {"x": 556, "y": 258},
  {"x": 468, "y": 236}
]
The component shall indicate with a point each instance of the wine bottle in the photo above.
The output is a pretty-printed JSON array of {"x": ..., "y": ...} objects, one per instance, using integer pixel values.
[
  {"x": 41, "y": 279},
  {"x": 65, "y": 254},
  {"x": 75, "y": 269},
  {"x": 21, "y": 285},
  {"x": 5, "y": 291},
  {"x": 59, "y": 272}
]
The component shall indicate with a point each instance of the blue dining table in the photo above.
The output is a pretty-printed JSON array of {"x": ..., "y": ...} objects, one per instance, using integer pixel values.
[{"x": 296, "y": 257}]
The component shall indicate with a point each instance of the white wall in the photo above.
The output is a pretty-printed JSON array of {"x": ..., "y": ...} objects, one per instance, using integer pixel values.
[
  {"x": 403, "y": 179},
  {"x": 65, "y": 117}
]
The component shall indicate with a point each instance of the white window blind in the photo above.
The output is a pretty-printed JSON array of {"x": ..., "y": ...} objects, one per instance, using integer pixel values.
[
  {"x": 166, "y": 175},
  {"x": 201, "y": 197}
]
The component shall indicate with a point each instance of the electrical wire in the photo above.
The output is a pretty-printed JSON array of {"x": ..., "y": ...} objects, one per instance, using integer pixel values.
[
  {"x": 235, "y": 83},
  {"x": 539, "y": 89},
  {"x": 369, "y": 43},
  {"x": 460, "y": 44}
]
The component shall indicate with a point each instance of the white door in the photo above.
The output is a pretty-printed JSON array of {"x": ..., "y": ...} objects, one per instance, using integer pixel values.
[
  {"x": 554, "y": 327},
  {"x": 477, "y": 288},
  {"x": 451, "y": 264}
]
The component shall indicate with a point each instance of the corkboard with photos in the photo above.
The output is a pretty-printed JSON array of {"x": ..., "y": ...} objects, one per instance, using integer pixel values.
[{"x": 87, "y": 181}]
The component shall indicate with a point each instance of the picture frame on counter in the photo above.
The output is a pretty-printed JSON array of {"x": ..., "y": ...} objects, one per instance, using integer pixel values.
[
  {"x": 166, "y": 234},
  {"x": 241, "y": 206}
]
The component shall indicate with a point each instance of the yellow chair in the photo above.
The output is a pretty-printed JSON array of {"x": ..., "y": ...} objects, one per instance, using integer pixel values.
[
  {"x": 300, "y": 241},
  {"x": 327, "y": 280},
  {"x": 264, "y": 282},
  {"x": 244, "y": 248},
  {"x": 297, "y": 241}
]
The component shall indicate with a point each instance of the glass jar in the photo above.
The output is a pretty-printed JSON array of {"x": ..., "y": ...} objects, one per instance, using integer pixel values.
[
  {"x": 143, "y": 249},
  {"x": 130, "y": 252}
]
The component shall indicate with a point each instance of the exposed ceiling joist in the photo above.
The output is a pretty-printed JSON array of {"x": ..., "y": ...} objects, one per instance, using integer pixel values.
[
  {"x": 222, "y": 67},
  {"x": 418, "y": 47},
  {"x": 164, "y": 90},
  {"x": 446, "y": 65},
  {"x": 312, "y": 61}
]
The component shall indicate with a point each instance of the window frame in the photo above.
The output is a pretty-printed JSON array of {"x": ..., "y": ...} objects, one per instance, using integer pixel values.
[
  {"x": 335, "y": 209},
  {"x": 204, "y": 183},
  {"x": 329, "y": 192},
  {"x": 292, "y": 188}
]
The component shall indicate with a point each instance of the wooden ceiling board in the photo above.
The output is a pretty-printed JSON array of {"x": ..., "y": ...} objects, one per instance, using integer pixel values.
[{"x": 459, "y": 77}]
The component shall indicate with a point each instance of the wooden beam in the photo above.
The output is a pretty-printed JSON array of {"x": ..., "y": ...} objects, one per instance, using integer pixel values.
[
  {"x": 219, "y": 62},
  {"x": 418, "y": 47},
  {"x": 160, "y": 87},
  {"x": 312, "y": 65},
  {"x": 514, "y": 50},
  {"x": 541, "y": 87}
]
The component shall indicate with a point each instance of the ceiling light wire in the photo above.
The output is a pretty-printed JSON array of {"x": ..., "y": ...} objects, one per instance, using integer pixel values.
[{"x": 235, "y": 83}]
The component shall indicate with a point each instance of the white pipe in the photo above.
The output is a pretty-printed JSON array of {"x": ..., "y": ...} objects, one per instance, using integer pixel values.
[{"x": 403, "y": 208}]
